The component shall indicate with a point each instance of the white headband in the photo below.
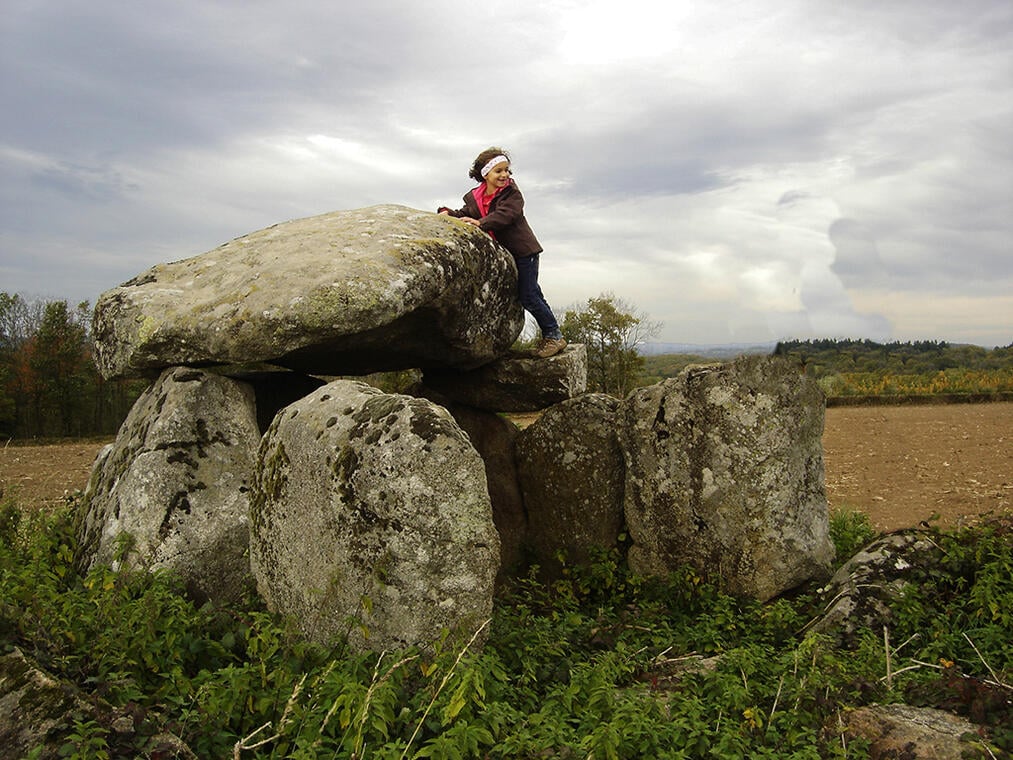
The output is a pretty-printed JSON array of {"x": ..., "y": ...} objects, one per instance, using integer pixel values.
[{"x": 493, "y": 162}]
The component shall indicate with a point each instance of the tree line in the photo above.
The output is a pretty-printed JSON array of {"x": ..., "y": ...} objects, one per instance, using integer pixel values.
[
  {"x": 913, "y": 357},
  {"x": 49, "y": 384},
  {"x": 865, "y": 368}
]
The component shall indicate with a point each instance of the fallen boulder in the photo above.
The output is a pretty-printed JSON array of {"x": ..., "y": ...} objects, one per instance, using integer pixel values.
[
  {"x": 172, "y": 491},
  {"x": 861, "y": 594},
  {"x": 724, "y": 471},
  {"x": 344, "y": 293},
  {"x": 370, "y": 518},
  {"x": 902, "y": 731}
]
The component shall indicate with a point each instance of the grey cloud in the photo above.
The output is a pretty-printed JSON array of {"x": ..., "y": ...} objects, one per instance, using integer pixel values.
[
  {"x": 161, "y": 135},
  {"x": 619, "y": 137},
  {"x": 932, "y": 21},
  {"x": 41, "y": 193},
  {"x": 94, "y": 183},
  {"x": 793, "y": 196},
  {"x": 856, "y": 261},
  {"x": 663, "y": 152},
  {"x": 117, "y": 79},
  {"x": 829, "y": 310}
]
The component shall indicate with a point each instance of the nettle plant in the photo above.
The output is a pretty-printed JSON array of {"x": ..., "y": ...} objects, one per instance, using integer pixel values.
[{"x": 598, "y": 664}]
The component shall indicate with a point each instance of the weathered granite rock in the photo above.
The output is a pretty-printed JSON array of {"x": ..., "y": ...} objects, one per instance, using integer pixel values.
[
  {"x": 902, "y": 731},
  {"x": 172, "y": 491},
  {"x": 493, "y": 438},
  {"x": 571, "y": 474},
  {"x": 370, "y": 516},
  {"x": 37, "y": 715},
  {"x": 861, "y": 593},
  {"x": 344, "y": 293},
  {"x": 724, "y": 471},
  {"x": 516, "y": 382}
]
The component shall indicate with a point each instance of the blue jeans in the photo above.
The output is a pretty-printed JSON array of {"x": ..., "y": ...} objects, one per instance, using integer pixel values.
[{"x": 531, "y": 296}]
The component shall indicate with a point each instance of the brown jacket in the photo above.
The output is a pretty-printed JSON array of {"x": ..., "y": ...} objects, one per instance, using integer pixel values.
[{"x": 505, "y": 220}]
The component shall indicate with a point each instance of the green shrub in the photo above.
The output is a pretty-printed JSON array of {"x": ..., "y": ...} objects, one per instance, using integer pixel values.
[{"x": 849, "y": 532}]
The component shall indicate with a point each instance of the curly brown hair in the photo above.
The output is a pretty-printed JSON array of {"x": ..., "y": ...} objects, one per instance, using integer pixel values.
[{"x": 483, "y": 158}]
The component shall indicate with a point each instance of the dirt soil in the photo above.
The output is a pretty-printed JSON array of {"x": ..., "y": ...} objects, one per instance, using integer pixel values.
[
  {"x": 901, "y": 465},
  {"x": 945, "y": 463}
]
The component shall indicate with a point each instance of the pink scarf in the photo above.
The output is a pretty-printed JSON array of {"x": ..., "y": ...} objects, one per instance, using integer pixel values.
[{"x": 483, "y": 200}]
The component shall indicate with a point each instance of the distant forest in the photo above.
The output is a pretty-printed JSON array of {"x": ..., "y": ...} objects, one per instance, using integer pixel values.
[
  {"x": 49, "y": 385},
  {"x": 864, "y": 368}
]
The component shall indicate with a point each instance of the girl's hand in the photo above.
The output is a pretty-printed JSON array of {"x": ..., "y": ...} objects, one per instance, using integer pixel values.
[{"x": 471, "y": 221}]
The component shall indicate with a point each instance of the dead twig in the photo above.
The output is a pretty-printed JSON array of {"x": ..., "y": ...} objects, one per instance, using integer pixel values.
[
  {"x": 995, "y": 677},
  {"x": 439, "y": 689},
  {"x": 777, "y": 696},
  {"x": 886, "y": 647},
  {"x": 242, "y": 743}
]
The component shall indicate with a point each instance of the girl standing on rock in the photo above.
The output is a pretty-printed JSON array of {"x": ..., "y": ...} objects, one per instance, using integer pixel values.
[{"x": 496, "y": 206}]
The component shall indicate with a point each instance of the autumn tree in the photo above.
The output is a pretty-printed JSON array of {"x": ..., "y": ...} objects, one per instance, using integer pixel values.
[
  {"x": 8, "y": 408},
  {"x": 19, "y": 319},
  {"x": 49, "y": 385},
  {"x": 611, "y": 330},
  {"x": 60, "y": 365}
]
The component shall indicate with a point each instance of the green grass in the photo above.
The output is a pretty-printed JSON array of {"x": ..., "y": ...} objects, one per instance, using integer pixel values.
[
  {"x": 591, "y": 666},
  {"x": 849, "y": 531}
]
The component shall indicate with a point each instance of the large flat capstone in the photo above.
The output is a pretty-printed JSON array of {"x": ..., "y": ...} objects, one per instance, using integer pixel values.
[{"x": 348, "y": 292}]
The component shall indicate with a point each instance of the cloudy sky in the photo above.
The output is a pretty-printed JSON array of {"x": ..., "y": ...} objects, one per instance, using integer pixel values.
[{"x": 739, "y": 170}]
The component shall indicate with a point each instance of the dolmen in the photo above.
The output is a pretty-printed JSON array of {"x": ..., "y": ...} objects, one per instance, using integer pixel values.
[{"x": 259, "y": 461}]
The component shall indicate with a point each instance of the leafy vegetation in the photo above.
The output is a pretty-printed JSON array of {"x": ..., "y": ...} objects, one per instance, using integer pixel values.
[
  {"x": 862, "y": 368},
  {"x": 600, "y": 664}
]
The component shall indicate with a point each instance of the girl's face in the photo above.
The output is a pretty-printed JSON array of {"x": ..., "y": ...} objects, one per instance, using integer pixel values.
[{"x": 497, "y": 178}]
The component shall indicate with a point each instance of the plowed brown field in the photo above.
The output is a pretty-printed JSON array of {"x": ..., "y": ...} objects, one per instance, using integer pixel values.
[{"x": 901, "y": 465}]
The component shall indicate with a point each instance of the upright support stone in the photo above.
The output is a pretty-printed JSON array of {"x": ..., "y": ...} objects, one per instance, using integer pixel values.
[
  {"x": 493, "y": 437},
  {"x": 172, "y": 491},
  {"x": 371, "y": 519},
  {"x": 725, "y": 472},
  {"x": 571, "y": 474}
]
